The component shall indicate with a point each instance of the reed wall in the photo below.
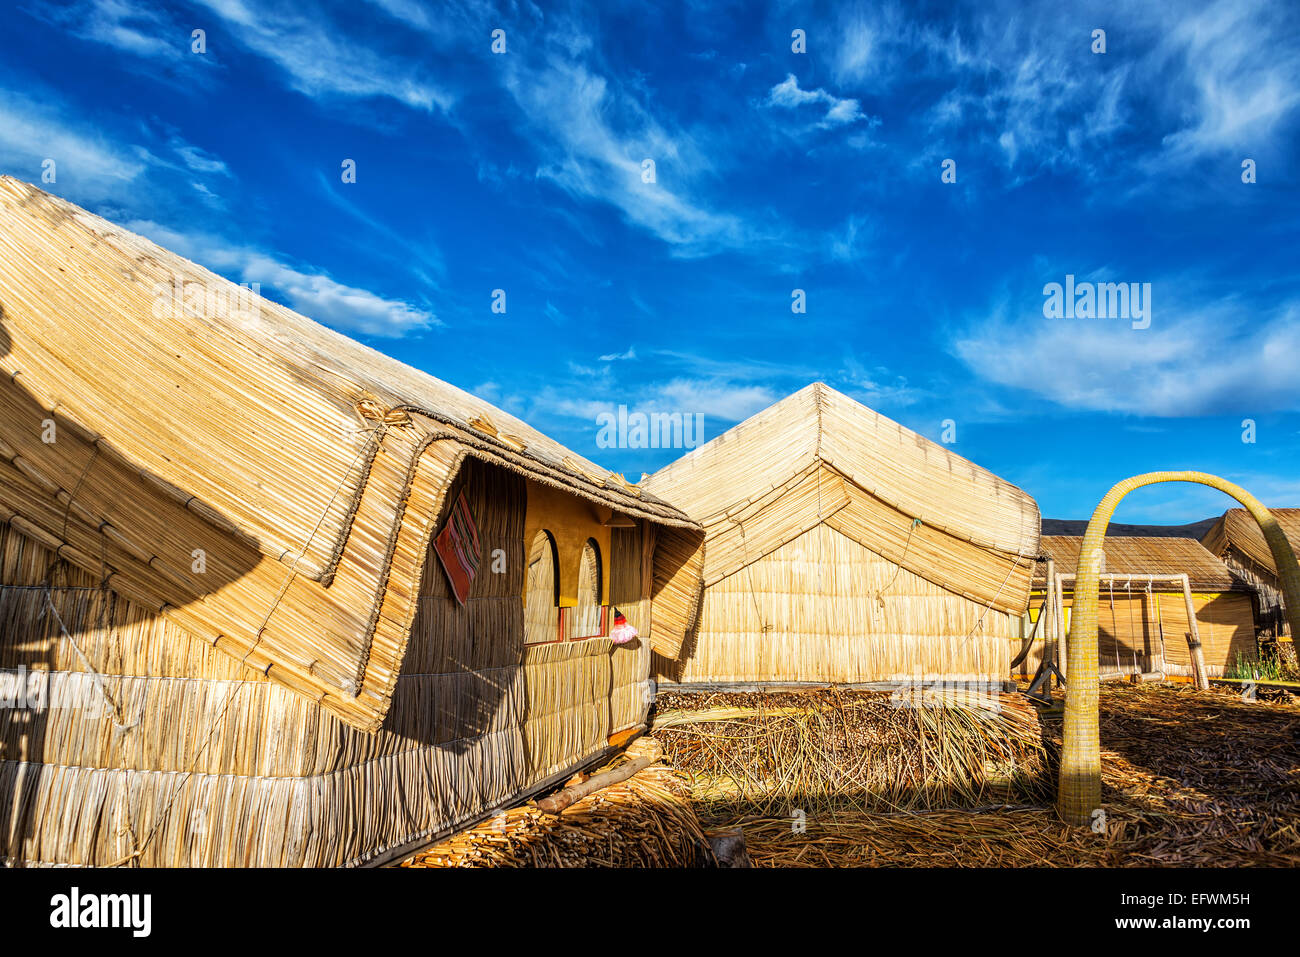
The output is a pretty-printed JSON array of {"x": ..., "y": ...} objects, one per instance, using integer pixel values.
[
  {"x": 1136, "y": 632},
  {"x": 631, "y": 573},
  {"x": 1271, "y": 608},
  {"x": 823, "y": 608},
  {"x": 171, "y": 753}
]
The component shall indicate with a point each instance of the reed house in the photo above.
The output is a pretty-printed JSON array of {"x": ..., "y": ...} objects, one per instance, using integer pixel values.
[
  {"x": 1147, "y": 586},
  {"x": 268, "y": 597},
  {"x": 841, "y": 547},
  {"x": 1236, "y": 539}
]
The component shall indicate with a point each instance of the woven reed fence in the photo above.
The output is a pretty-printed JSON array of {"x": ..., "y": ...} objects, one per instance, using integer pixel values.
[{"x": 1136, "y": 630}]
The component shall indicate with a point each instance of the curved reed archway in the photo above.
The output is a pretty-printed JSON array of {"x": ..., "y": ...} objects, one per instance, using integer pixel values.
[{"x": 1080, "y": 781}]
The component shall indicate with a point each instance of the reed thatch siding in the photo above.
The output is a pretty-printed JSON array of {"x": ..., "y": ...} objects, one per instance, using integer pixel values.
[
  {"x": 1145, "y": 555},
  {"x": 1236, "y": 539},
  {"x": 677, "y": 570},
  {"x": 215, "y": 555},
  {"x": 165, "y": 748},
  {"x": 1144, "y": 628},
  {"x": 823, "y": 608},
  {"x": 841, "y": 547},
  {"x": 630, "y": 583},
  {"x": 195, "y": 417}
]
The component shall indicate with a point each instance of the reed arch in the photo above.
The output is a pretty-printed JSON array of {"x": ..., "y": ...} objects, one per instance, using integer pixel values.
[{"x": 1080, "y": 781}]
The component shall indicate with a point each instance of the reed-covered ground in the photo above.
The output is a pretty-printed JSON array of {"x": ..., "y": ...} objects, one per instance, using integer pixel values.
[
  {"x": 869, "y": 779},
  {"x": 647, "y": 820},
  {"x": 1190, "y": 779}
]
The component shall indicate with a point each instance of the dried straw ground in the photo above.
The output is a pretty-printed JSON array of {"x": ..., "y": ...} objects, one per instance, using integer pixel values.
[
  {"x": 1191, "y": 779},
  {"x": 645, "y": 821}
]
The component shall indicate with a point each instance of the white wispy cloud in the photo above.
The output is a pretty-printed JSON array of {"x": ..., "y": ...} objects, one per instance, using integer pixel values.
[
  {"x": 310, "y": 292},
  {"x": 1230, "y": 96},
  {"x": 1226, "y": 357},
  {"x": 93, "y": 166},
  {"x": 573, "y": 109},
  {"x": 129, "y": 182},
  {"x": 850, "y": 245},
  {"x": 113, "y": 165},
  {"x": 1194, "y": 75},
  {"x": 838, "y": 111},
  {"x": 717, "y": 400},
  {"x": 878, "y": 387},
  {"x": 616, "y": 356},
  {"x": 871, "y": 42},
  {"x": 197, "y": 159},
  {"x": 142, "y": 29},
  {"x": 321, "y": 58}
]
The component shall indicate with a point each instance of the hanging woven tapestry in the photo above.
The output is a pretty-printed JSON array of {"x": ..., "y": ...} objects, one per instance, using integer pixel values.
[{"x": 458, "y": 548}]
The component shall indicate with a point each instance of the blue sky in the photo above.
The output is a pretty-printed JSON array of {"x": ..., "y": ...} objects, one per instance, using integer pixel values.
[{"x": 774, "y": 171}]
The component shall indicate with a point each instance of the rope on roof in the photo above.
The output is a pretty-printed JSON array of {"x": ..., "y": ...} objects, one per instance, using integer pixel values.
[{"x": 377, "y": 434}]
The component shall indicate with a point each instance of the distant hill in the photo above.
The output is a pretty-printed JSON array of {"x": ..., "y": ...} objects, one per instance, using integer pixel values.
[{"x": 1071, "y": 526}]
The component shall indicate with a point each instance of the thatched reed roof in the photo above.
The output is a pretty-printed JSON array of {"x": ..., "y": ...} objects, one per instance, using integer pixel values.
[
  {"x": 818, "y": 455},
  {"x": 1145, "y": 556},
  {"x": 1235, "y": 529},
  {"x": 193, "y": 416}
]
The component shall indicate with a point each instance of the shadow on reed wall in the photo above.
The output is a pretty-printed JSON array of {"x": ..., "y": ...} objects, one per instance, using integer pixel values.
[{"x": 79, "y": 660}]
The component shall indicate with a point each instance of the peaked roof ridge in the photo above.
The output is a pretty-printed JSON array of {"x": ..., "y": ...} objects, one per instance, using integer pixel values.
[
  {"x": 907, "y": 471},
  {"x": 819, "y": 390}
]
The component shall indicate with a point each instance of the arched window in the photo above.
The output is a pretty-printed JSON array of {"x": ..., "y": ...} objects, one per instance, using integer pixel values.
[
  {"x": 542, "y": 591},
  {"x": 588, "y": 616}
]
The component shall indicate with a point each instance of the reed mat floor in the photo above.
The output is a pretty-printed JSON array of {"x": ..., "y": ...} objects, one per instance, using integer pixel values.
[{"x": 1189, "y": 779}]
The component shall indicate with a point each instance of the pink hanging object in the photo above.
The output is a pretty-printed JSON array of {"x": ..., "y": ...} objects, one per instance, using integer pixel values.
[{"x": 622, "y": 632}]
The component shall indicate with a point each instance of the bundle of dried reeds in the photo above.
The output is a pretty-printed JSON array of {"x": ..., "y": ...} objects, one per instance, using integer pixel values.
[
  {"x": 829, "y": 751},
  {"x": 645, "y": 821}
]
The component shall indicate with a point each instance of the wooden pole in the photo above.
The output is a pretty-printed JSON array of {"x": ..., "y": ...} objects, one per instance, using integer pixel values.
[
  {"x": 1062, "y": 640},
  {"x": 1047, "y": 623},
  {"x": 1158, "y": 633},
  {"x": 1194, "y": 640},
  {"x": 571, "y": 795}
]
